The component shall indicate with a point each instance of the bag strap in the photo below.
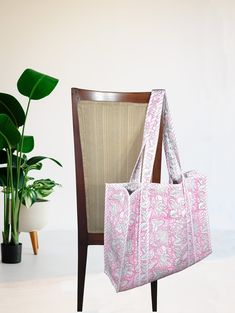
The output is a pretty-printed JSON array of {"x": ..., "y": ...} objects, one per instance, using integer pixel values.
[
  {"x": 170, "y": 146},
  {"x": 157, "y": 109}
]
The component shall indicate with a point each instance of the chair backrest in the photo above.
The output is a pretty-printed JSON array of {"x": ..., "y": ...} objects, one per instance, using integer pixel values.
[{"x": 108, "y": 129}]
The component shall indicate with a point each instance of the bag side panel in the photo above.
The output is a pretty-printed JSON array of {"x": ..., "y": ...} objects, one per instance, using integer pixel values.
[
  {"x": 130, "y": 272},
  {"x": 198, "y": 198},
  {"x": 115, "y": 229}
]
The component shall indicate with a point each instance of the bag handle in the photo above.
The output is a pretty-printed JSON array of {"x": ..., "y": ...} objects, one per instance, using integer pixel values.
[
  {"x": 170, "y": 145},
  {"x": 157, "y": 108}
]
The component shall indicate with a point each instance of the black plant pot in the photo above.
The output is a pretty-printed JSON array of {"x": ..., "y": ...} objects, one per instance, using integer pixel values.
[{"x": 11, "y": 254}]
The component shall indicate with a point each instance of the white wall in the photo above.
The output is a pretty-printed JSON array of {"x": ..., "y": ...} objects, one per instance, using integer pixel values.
[{"x": 186, "y": 47}]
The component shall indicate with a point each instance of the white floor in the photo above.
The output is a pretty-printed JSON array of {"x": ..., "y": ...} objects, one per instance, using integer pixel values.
[{"x": 47, "y": 282}]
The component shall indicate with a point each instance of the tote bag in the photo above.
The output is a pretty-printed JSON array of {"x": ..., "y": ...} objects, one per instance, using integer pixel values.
[{"x": 152, "y": 230}]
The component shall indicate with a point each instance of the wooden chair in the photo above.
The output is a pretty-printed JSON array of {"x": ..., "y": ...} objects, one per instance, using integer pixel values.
[{"x": 108, "y": 129}]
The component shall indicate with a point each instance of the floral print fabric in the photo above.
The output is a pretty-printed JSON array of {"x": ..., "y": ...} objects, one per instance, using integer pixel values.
[{"x": 153, "y": 230}]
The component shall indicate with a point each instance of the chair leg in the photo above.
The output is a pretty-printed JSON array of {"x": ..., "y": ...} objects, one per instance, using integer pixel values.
[
  {"x": 154, "y": 295},
  {"x": 37, "y": 240},
  {"x": 34, "y": 241},
  {"x": 82, "y": 258}
]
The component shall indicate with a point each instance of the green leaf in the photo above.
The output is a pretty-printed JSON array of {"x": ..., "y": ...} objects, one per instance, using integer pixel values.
[
  {"x": 35, "y": 85},
  {"x": 10, "y": 105},
  {"x": 36, "y": 166},
  {"x": 27, "y": 201},
  {"x": 39, "y": 158},
  {"x": 42, "y": 193},
  {"x": 28, "y": 144},
  {"x": 9, "y": 134},
  {"x": 44, "y": 183},
  {"x": 3, "y": 177},
  {"x": 29, "y": 197},
  {"x": 43, "y": 187}
]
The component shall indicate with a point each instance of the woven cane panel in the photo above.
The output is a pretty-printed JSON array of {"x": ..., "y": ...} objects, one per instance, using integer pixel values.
[{"x": 111, "y": 135}]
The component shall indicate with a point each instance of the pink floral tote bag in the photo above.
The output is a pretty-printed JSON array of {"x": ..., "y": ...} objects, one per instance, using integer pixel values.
[{"x": 153, "y": 230}]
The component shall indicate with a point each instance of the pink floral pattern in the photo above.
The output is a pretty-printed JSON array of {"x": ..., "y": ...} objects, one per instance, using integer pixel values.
[{"x": 153, "y": 230}]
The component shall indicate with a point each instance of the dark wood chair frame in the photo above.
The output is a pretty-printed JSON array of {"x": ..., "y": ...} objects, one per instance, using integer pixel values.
[{"x": 85, "y": 238}]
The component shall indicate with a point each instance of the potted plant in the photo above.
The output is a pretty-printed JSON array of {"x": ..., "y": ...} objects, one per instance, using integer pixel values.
[
  {"x": 34, "y": 211},
  {"x": 14, "y": 146}
]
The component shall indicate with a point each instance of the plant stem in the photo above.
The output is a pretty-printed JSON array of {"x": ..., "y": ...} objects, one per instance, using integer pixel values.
[
  {"x": 22, "y": 192},
  {"x": 14, "y": 231},
  {"x": 6, "y": 217},
  {"x": 18, "y": 165},
  {"x": 19, "y": 151}
]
